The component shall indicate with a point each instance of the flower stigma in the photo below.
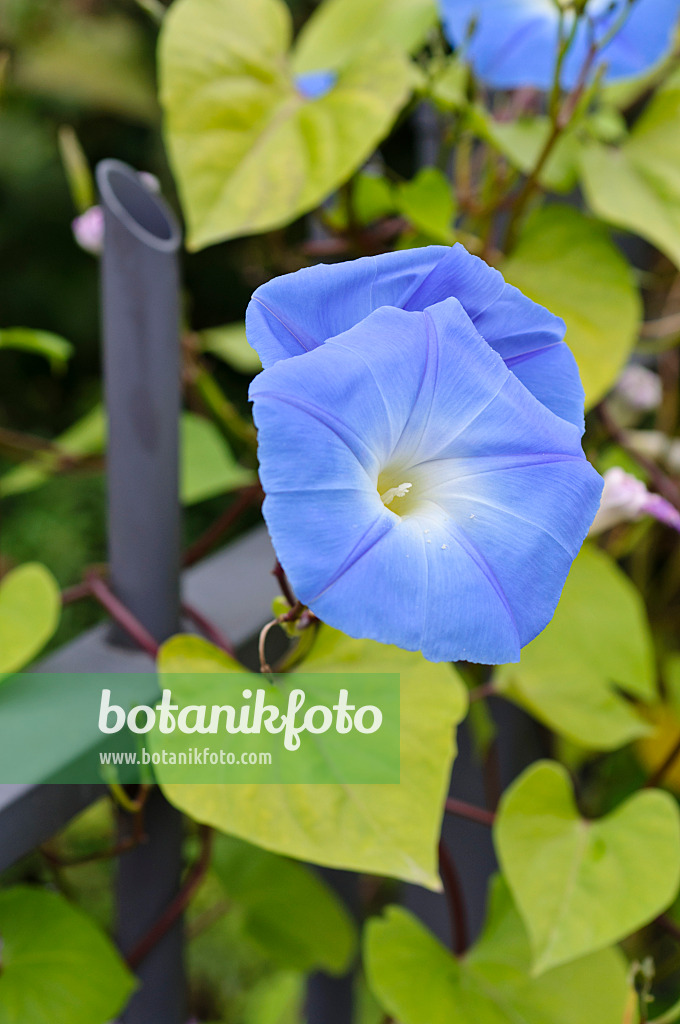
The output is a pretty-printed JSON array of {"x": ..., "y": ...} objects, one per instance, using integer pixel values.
[{"x": 400, "y": 491}]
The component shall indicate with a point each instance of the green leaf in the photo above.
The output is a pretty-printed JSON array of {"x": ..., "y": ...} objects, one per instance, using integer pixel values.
[
  {"x": 230, "y": 344},
  {"x": 56, "y": 350},
  {"x": 340, "y": 29},
  {"x": 553, "y": 264},
  {"x": 77, "y": 169},
  {"x": 581, "y": 885},
  {"x": 277, "y": 999},
  {"x": 96, "y": 62},
  {"x": 379, "y": 829},
  {"x": 416, "y": 979},
  {"x": 30, "y": 606},
  {"x": 427, "y": 201},
  {"x": 56, "y": 966},
  {"x": 250, "y": 152},
  {"x": 597, "y": 644},
  {"x": 637, "y": 186},
  {"x": 288, "y": 910},
  {"x": 87, "y": 436},
  {"x": 208, "y": 465},
  {"x": 372, "y": 198},
  {"x": 449, "y": 84}
]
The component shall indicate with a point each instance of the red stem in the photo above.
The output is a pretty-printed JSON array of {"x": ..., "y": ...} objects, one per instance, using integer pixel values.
[
  {"x": 464, "y": 810},
  {"x": 207, "y": 541},
  {"x": 282, "y": 580},
  {"x": 122, "y": 615},
  {"x": 454, "y": 898},
  {"x": 209, "y": 629},
  {"x": 178, "y": 905}
]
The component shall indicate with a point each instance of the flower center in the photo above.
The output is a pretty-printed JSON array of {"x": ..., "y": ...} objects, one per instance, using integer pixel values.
[{"x": 396, "y": 490}]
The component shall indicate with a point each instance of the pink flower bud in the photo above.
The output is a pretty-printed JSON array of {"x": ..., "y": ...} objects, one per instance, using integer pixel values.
[
  {"x": 625, "y": 499},
  {"x": 88, "y": 230}
]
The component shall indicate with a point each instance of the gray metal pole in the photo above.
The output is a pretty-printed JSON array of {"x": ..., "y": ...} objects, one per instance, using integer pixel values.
[
  {"x": 330, "y": 1000},
  {"x": 140, "y": 296},
  {"x": 140, "y": 312}
]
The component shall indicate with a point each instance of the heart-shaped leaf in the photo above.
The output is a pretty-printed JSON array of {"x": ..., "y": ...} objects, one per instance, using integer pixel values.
[
  {"x": 287, "y": 909},
  {"x": 553, "y": 264},
  {"x": 570, "y": 675},
  {"x": 30, "y": 606},
  {"x": 582, "y": 885},
  {"x": 251, "y": 151},
  {"x": 55, "y": 965},
  {"x": 379, "y": 829},
  {"x": 416, "y": 979}
]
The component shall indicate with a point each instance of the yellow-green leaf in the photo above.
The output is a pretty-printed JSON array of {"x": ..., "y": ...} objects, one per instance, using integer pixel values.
[
  {"x": 379, "y": 829},
  {"x": 30, "y": 606},
  {"x": 57, "y": 967},
  {"x": 339, "y": 29},
  {"x": 637, "y": 185},
  {"x": 250, "y": 152},
  {"x": 597, "y": 645},
  {"x": 582, "y": 885},
  {"x": 417, "y": 980},
  {"x": 553, "y": 264}
]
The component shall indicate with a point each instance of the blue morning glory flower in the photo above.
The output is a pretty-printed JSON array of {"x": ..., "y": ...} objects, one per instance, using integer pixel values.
[
  {"x": 313, "y": 85},
  {"x": 514, "y": 43},
  {"x": 417, "y": 492},
  {"x": 296, "y": 313}
]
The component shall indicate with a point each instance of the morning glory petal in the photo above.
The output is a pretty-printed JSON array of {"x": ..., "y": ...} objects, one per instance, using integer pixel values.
[
  {"x": 375, "y": 446},
  {"x": 544, "y": 544},
  {"x": 298, "y": 312},
  {"x": 510, "y": 43},
  {"x": 514, "y": 43},
  {"x": 645, "y": 41},
  {"x": 411, "y": 573}
]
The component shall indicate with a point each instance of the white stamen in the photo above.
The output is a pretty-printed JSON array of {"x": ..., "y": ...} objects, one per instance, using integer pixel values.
[
  {"x": 444, "y": 547},
  {"x": 395, "y": 492}
]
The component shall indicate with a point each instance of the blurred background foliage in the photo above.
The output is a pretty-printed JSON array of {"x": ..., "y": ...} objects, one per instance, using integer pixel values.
[{"x": 89, "y": 65}]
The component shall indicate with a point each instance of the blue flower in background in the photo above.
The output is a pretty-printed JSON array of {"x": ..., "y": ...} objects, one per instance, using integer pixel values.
[
  {"x": 313, "y": 85},
  {"x": 514, "y": 43},
  {"x": 417, "y": 492}
]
